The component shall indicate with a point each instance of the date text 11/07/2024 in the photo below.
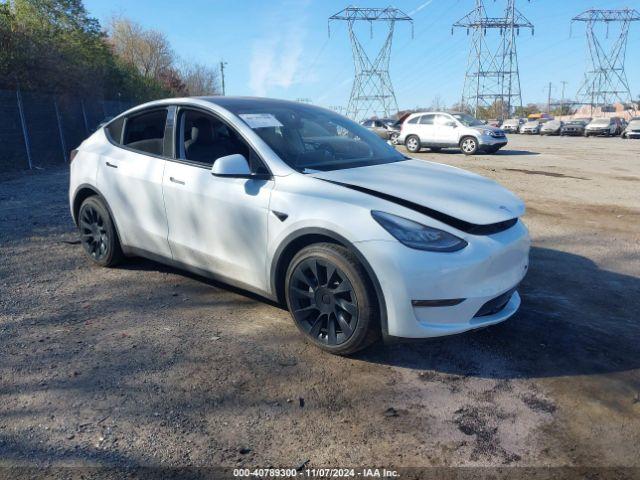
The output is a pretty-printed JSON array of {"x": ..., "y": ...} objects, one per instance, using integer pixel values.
[{"x": 316, "y": 473}]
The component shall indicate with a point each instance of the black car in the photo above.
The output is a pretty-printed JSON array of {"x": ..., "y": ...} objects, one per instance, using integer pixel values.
[{"x": 575, "y": 127}]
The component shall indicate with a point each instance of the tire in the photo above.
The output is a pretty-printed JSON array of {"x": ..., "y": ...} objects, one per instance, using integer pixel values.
[
  {"x": 394, "y": 138},
  {"x": 469, "y": 145},
  {"x": 331, "y": 299},
  {"x": 98, "y": 235},
  {"x": 412, "y": 142},
  {"x": 435, "y": 149}
]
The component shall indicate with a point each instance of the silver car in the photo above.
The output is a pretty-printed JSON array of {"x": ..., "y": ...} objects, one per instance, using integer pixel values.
[
  {"x": 633, "y": 129},
  {"x": 551, "y": 127},
  {"x": 438, "y": 130}
]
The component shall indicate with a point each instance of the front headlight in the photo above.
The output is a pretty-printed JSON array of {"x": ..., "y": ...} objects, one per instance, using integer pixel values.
[
  {"x": 418, "y": 236},
  {"x": 487, "y": 132}
]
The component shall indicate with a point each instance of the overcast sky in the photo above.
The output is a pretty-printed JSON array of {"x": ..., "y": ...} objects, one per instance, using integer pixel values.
[{"x": 282, "y": 49}]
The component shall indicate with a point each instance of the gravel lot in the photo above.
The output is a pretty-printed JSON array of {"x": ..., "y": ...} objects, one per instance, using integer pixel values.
[{"x": 146, "y": 365}]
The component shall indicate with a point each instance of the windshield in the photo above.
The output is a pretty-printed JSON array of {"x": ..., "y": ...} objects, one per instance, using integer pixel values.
[
  {"x": 553, "y": 124},
  {"x": 309, "y": 139},
  {"x": 578, "y": 122},
  {"x": 532, "y": 123},
  {"x": 601, "y": 121},
  {"x": 467, "y": 119},
  {"x": 511, "y": 121}
]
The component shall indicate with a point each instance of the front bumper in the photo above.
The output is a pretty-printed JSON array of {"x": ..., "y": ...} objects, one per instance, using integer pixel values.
[
  {"x": 489, "y": 141},
  {"x": 573, "y": 132},
  {"x": 594, "y": 132},
  {"x": 633, "y": 134},
  {"x": 487, "y": 268}
]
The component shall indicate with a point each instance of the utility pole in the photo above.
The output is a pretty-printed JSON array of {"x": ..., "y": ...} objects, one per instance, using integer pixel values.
[
  {"x": 549, "y": 99},
  {"x": 222, "y": 65},
  {"x": 492, "y": 77},
  {"x": 564, "y": 84},
  {"x": 372, "y": 92}
]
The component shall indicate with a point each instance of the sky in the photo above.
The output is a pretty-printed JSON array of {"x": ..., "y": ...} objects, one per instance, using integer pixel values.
[{"x": 282, "y": 49}]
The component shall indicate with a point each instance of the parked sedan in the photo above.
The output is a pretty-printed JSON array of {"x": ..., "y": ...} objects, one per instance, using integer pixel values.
[
  {"x": 575, "y": 127},
  {"x": 551, "y": 127},
  {"x": 386, "y": 128},
  {"x": 632, "y": 130},
  {"x": 512, "y": 125},
  {"x": 354, "y": 237},
  {"x": 532, "y": 127},
  {"x": 604, "y": 127}
]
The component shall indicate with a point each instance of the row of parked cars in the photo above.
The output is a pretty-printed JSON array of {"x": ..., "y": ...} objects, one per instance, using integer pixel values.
[
  {"x": 587, "y": 127},
  {"x": 438, "y": 130}
]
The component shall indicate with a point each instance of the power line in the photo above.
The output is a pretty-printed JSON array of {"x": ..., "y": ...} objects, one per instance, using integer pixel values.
[{"x": 372, "y": 92}]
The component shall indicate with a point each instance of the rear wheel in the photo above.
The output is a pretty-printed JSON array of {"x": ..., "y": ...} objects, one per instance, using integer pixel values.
[
  {"x": 331, "y": 299},
  {"x": 469, "y": 145},
  {"x": 97, "y": 233},
  {"x": 412, "y": 142}
]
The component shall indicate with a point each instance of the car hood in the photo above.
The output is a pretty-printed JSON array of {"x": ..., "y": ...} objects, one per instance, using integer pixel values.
[
  {"x": 482, "y": 128},
  {"x": 598, "y": 126},
  {"x": 448, "y": 190},
  {"x": 634, "y": 125}
]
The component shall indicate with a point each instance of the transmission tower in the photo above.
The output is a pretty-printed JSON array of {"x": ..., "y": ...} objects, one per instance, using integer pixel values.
[
  {"x": 492, "y": 77},
  {"x": 372, "y": 92},
  {"x": 606, "y": 82}
]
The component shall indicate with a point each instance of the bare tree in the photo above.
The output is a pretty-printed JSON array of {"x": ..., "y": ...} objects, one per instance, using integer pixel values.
[
  {"x": 148, "y": 51},
  {"x": 437, "y": 105},
  {"x": 200, "y": 79}
]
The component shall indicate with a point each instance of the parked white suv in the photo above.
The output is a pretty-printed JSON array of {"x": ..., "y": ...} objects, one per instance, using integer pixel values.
[{"x": 437, "y": 130}]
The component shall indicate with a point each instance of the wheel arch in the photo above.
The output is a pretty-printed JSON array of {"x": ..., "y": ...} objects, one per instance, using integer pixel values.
[
  {"x": 300, "y": 239},
  {"x": 85, "y": 191}
]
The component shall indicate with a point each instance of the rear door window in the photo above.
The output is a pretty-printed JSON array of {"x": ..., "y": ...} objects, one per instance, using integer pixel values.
[
  {"x": 145, "y": 132},
  {"x": 427, "y": 120}
]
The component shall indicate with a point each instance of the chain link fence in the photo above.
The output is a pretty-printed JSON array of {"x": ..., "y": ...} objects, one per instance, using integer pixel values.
[{"x": 39, "y": 130}]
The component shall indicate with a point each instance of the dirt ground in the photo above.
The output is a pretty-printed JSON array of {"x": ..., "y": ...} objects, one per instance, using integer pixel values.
[{"x": 146, "y": 365}]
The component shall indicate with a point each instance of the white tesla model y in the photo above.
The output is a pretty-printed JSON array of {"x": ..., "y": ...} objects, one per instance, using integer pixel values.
[{"x": 305, "y": 207}]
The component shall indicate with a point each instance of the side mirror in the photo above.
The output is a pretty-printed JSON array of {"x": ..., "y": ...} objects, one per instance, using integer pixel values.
[
  {"x": 235, "y": 165},
  {"x": 452, "y": 124}
]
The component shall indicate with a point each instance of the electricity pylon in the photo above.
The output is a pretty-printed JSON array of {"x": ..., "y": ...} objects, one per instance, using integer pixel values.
[
  {"x": 492, "y": 77},
  {"x": 372, "y": 92},
  {"x": 606, "y": 82}
]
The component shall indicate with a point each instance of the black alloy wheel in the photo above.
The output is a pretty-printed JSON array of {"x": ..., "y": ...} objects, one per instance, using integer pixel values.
[
  {"x": 97, "y": 233},
  {"x": 331, "y": 299},
  {"x": 323, "y": 301},
  {"x": 94, "y": 237}
]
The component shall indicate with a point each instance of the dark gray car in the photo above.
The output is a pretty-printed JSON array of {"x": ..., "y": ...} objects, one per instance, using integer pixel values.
[{"x": 575, "y": 127}]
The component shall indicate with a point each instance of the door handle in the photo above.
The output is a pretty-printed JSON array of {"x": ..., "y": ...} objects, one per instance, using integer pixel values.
[
  {"x": 175, "y": 180},
  {"x": 111, "y": 165}
]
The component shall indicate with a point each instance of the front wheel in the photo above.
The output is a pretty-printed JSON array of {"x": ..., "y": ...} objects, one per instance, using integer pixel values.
[
  {"x": 331, "y": 299},
  {"x": 469, "y": 145},
  {"x": 394, "y": 138},
  {"x": 412, "y": 142}
]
